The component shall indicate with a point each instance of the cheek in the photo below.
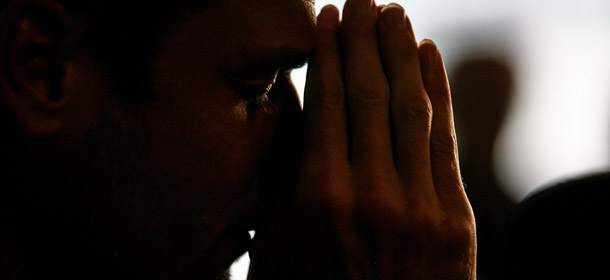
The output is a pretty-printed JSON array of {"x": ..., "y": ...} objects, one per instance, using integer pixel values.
[
  {"x": 198, "y": 171},
  {"x": 209, "y": 152}
]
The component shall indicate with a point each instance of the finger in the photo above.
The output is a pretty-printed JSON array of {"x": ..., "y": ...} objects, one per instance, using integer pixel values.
[
  {"x": 366, "y": 89},
  {"x": 410, "y": 106},
  {"x": 324, "y": 102},
  {"x": 443, "y": 144}
]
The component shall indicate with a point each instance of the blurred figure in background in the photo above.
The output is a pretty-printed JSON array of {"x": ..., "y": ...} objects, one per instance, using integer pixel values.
[
  {"x": 482, "y": 91},
  {"x": 561, "y": 232}
]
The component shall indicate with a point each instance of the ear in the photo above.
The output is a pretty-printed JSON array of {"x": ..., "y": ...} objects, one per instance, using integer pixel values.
[{"x": 33, "y": 58}]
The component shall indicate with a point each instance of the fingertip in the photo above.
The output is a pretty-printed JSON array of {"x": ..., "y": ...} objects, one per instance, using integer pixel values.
[
  {"x": 330, "y": 8},
  {"x": 393, "y": 15},
  {"x": 359, "y": 8},
  {"x": 429, "y": 53},
  {"x": 427, "y": 43},
  {"x": 396, "y": 5},
  {"x": 382, "y": 7},
  {"x": 328, "y": 17}
]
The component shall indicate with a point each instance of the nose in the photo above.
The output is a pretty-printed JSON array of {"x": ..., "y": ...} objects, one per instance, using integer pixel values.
[
  {"x": 285, "y": 150},
  {"x": 279, "y": 179}
]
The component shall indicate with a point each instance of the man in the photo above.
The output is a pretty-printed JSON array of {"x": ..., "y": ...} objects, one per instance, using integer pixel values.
[{"x": 144, "y": 142}]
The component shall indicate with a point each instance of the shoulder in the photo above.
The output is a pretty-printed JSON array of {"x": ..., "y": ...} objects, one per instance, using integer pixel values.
[
  {"x": 561, "y": 229},
  {"x": 574, "y": 196}
]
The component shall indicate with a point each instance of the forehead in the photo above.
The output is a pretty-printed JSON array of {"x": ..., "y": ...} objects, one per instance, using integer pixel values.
[{"x": 243, "y": 29}]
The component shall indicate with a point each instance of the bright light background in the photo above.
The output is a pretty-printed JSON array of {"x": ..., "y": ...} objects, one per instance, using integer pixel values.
[{"x": 559, "y": 122}]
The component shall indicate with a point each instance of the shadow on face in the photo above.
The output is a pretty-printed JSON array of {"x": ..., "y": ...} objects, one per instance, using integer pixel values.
[{"x": 144, "y": 155}]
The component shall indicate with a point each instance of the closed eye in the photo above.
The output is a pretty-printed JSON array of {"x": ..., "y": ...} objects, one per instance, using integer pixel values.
[
  {"x": 249, "y": 91},
  {"x": 255, "y": 96}
]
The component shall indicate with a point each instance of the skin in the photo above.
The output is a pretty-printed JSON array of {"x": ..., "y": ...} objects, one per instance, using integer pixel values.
[
  {"x": 380, "y": 194},
  {"x": 173, "y": 183},
  {"x": 168, "y": 188}
]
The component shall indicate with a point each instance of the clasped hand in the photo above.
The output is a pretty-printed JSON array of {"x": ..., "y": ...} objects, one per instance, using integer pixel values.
[{"x": 379, "y": 193}]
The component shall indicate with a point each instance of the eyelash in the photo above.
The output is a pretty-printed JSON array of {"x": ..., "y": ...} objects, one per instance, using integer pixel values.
[{"x": 257, "y": 97}]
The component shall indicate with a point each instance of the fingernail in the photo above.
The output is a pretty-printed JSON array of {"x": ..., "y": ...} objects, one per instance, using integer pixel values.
[
  {"x": 393, "y": 16},
  {"x": 361, "y": 5},
  {"x": 427, "y": 41}
]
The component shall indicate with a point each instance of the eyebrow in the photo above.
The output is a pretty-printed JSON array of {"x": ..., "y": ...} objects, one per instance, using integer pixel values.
[{"x": 269, "y": 61}]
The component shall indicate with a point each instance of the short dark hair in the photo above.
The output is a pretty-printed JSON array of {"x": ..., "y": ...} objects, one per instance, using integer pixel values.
[{"x": 123, "y": 35}]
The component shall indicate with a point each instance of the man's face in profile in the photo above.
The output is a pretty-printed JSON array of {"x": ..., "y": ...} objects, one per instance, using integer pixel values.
[
  {"x": 212, "y": 126},
  {"x": 172, "y": 185}
]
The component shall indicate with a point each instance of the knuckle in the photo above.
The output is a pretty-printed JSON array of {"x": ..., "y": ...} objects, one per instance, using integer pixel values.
[
  {"x": 368, "y": 96},
  {"x": 387, "y": 210},
  {"x": 458, "y": 233},
  {"x": 414, "y": 110},
  {"x": 423, "y": 223},
  {"x": 329, "y": 95},
  {"x": 338, "y": 203},
  {"x": 453, "y": 232},
  {"x": 426, "y": 221},
  {"x": 443, "y": 145},
  {"x": 325, "y": 189},
  {"x": 382, "y": 199}
]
